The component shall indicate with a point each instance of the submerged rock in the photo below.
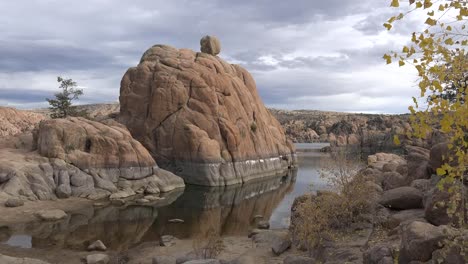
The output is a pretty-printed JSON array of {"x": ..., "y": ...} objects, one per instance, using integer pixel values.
[
  {"x": 97, "y": 245},
  {"x": 51, "y": 215},
  {"x": 202, "y": 118}
]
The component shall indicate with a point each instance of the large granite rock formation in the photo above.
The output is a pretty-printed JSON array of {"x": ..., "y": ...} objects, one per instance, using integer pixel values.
[
  {"x": 202, "y": 118},
  {"x": 81, "y": 158}
]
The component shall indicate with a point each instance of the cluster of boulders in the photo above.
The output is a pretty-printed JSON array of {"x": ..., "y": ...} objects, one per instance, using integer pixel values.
[
  {"x": 415, "y": 219},
  {"x": 413, "y": 208}
]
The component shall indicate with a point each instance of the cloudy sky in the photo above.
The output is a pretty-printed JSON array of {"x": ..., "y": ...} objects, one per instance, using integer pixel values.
[{"x": 304, "y": 54}]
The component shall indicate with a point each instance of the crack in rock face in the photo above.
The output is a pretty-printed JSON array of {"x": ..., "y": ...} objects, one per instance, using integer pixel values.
[{"x": 201, "y": 117}]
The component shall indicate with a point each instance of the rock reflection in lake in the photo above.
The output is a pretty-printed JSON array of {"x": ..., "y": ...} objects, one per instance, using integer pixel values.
[{"x": 229, "y": 210}]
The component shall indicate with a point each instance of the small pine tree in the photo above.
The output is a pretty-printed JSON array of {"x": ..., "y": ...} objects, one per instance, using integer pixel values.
[{"x": 61, "y": 106}]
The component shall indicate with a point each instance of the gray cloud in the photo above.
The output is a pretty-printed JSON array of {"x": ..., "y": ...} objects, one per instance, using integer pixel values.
[{"x": 315, "y": 47}]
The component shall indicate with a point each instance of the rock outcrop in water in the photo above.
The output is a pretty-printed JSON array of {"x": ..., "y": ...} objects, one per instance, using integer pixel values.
[
  {"x": 202, "y": 118},
  {"x": 81, "y": 158}
]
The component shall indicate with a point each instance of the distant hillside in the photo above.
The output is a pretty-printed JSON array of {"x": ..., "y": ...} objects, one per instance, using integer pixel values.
[{"x": 374, "y": 131}]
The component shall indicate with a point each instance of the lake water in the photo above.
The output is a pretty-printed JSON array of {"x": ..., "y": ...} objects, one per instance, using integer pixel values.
[{"x": 231, "y": 211}]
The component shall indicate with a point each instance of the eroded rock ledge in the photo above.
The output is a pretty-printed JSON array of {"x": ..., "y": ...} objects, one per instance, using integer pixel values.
[
  {"x": 202, "y": 118},
  {"x": 81, "y": 158}
]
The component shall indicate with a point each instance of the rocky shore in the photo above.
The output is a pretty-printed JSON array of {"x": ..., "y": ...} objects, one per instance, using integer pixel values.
[{"x": 409, "y": 219}]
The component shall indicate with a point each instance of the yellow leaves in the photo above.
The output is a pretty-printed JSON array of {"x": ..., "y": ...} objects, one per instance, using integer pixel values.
[
  {"x": 441, "y": 8},
  {"x": 419, "y": 5},
  {"x": 449, "y": 41},
  {"x": 396, "y": 140},
  {"x": 387, "y": 58},
  {"x": 388, "y": 26},
  {"x": 431, "y": 13},
  {"x": 427, "y": 4},
  {"x": 401, "y": 63},
  {"x": 395, "y": 3},
  {"x": 449, "y": 28},
  {"x": 430, "y": 22},
  {"x": 440, "y": 172},
  {"x": 437, "y": 85},
  {"x": 405, "y": 49}
]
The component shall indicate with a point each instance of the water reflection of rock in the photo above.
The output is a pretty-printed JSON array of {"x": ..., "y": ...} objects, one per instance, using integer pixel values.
[{"x": 230, "y": 210}]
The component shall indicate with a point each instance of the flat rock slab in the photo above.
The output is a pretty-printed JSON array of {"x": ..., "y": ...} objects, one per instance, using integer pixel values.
[{"x": 51, "y": 215}]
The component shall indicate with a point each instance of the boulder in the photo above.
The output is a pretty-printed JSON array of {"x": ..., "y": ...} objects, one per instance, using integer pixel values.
[
  {"x": 402, "y": 198},
  {"x": 92, "y": 145},
  {"x": 81, "y": 158},
  {"x": 378, "y": 160},
  {"x": 167, "y": 241},
  {"x": 436, "y": 204},
  {"x": 424, "y": 185},
  {"x": 14, "y": 202},
  {"x": 210, "y": 45},
  {"x": 392, "y": 180},
  {"x": 418, "y": 241},
  {"x": 163, "y": 260},
  {"x": 97, "y": 245},
  {"x": 280, "y": 245},
  {"x": 97, "y": 259},
  {"x": 404, "y": 216},
  {"x": 373, "y": 174},
  {"x": 439, "y": 155},
  {"x": 202, "y": 118},
  {"x": 388, "y": 167},
  {"x": 378, "y": 254},
  {"x": 418, "y": 163},
  {"x": 51, "y": 215},
  {"x": 263, "y": 225}
]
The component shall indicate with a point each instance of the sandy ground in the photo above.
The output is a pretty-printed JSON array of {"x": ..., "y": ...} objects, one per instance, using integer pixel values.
[{"x": 143, "y": 254}]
